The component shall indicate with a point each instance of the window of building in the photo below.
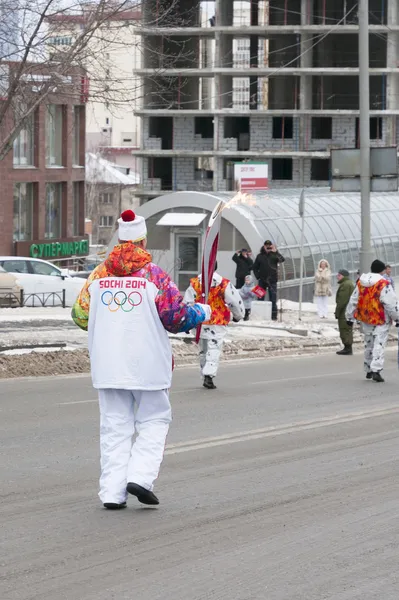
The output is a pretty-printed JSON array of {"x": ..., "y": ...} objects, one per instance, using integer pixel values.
[
  {"x": 241, "y": 92},
  {"x": 60, "y": 40},
  {"x": 283, "y": 128},
  {"x": 320, "y": 169},
  {"x": 106, "y": 198},
  {"x": 54, "y": 121},
  {"x": 321, "y": 128},
  {"x": 77, "y": 158},
  {"x": 282, "y": 169},
  {"x": 162, "y": 127},
  {"x": 23, "y": 211},
  {"x": 77, "y": 186},
  {"x": 375, "y": 129},
  {"x": 204, "y": 127},
  {"x": 53, "y": 226},
  {"x": 238, "y": 127},
  {"x": 24, "y": 145},
  {"x": 106, "y": 221}
]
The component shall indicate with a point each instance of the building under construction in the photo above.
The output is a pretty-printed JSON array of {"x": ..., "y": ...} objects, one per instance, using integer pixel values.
[{"x": 268, "y": 81}]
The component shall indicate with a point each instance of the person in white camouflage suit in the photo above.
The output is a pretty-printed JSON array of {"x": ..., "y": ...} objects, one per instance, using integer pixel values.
[
  {"x": 224, "y": 301},
  {"x": 375, "y": 305}
]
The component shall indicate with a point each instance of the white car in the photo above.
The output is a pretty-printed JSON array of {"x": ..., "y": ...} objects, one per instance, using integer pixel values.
[
  {"x": 10, "y": 291},
  {"x": 40, "y": 277}
]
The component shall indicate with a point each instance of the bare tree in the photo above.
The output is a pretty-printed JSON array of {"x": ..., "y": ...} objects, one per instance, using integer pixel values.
[{"x": 51, "y": 47}]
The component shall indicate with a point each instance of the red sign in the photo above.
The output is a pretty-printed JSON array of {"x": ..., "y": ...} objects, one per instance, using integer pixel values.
[{"x": 251, "y": 176}]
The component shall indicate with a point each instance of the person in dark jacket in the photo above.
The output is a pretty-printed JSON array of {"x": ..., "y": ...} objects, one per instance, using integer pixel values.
[
  {"x": 244, "y": 263},
  {"x": 266, "y": 271},
  {"x": 344, "y": 293}
]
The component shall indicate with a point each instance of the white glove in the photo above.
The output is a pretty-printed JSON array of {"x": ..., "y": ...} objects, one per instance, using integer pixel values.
[{"x": 208, "y": 311}]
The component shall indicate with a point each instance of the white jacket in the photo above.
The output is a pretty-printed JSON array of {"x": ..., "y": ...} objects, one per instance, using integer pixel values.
[
  {"x": 231, "y": 297},
  {"x": 233, "y": 301},
  {"x": 387, "y": 298}
]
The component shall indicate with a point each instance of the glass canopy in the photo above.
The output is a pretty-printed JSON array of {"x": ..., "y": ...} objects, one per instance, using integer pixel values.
[{"x": 332, "y": 227}]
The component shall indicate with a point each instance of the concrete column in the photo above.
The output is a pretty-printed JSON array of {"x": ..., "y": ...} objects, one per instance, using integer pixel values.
[
  {"x": 224, "y": 12},
  {"x": 392, "y": 82},
  {"x": 224, "y": 52},
  {"x": 223, "y": 84},
  {"x": 254, "y": 55},
  {"x": 306, "y": 87},
  {"x": 306, "y": 56}
]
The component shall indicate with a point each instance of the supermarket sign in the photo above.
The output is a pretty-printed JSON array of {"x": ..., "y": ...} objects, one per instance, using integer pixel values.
[{"x": 251, "y": 177}]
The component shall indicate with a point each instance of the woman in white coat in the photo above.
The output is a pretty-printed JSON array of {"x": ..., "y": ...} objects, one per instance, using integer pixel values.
[{"x": 322, "y": 288}]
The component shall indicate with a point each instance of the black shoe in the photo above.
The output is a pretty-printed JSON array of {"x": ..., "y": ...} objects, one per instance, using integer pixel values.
[
  {"x": 369, "y": 375},
  {"x": 114, "y": 506},
  {"x": 378, "y": 378},
  {"x": 144, "y": 496},
  {"x": 346, "y": 351},
  {"x": 208, "y": 383}
]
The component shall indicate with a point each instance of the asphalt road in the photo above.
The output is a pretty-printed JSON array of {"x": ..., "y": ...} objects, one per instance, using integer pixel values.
[{"x": 280, "y": 485}]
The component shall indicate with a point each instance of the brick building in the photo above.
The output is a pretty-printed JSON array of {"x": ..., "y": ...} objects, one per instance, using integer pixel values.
[
  {"x": 270, "y": 81},
  {"x": 42, "y": 179}
]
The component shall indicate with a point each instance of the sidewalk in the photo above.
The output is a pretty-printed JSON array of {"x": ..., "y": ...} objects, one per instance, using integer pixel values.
[
  {"x": 54, "y": 325},
  {"x": 45, "y": 341}
]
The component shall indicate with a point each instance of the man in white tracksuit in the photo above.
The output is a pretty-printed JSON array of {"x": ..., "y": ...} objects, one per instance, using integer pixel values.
[
  {"x": 127, "y": 305},
  {"x": 374, "y": 303},
  {"x": 224, "y": 300}
]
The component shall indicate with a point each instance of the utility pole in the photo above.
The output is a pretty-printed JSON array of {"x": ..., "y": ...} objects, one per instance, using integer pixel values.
[
  {"x": 302, "y": 215},
  {"x": 364, "y": 128}
]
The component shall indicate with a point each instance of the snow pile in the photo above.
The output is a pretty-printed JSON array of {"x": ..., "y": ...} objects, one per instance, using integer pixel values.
[{"x": 39, "y": 313}]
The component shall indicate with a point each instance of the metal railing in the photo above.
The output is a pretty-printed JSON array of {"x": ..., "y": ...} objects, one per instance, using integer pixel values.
[{"x": 10, "y": 300}]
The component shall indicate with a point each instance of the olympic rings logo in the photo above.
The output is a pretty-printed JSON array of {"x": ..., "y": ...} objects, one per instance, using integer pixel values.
[{"x": 121, "y": 300}]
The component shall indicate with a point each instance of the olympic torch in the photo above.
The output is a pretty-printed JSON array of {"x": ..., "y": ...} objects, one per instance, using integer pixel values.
[{"x": 209, "y": 254}]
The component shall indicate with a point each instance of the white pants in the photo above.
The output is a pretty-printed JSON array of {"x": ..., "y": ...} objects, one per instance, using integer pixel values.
[
  {"x": 322, "y": 306},
  {"x": 122, "y": 414},
  {"x": 210, "y": 345},
  {"x": 375, "y": 341}
]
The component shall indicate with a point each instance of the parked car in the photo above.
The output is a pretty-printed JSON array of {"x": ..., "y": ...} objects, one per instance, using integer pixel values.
[
  {"x": 10, "y": 290},
  {"x": 82, "y": 274},
  {"x": 41, "y": 277}
]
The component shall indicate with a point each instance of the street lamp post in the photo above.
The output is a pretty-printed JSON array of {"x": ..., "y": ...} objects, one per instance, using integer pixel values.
[{"x": 364, "y": 128}]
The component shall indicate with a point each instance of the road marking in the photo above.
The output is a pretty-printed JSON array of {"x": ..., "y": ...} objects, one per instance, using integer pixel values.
[
  {"x": 300, "y": 378},
  {"x": 256, "y": 434},
  {"x": 261, "y": 382},
  {"x": 173, "y": 393},
  {"x": 77, "y": 402}
]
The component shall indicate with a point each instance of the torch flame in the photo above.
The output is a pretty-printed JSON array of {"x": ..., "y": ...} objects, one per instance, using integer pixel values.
[{"x": 241, "y": 198}]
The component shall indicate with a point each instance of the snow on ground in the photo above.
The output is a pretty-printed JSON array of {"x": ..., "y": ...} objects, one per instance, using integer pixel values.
[
  {"x": 29, "y": 313},
  {"x": 31, "y": 326},
  {"x": 20, "y": 351}
]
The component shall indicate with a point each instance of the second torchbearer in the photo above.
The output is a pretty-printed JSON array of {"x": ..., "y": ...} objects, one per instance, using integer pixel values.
[{"x": 217, "y": 291}]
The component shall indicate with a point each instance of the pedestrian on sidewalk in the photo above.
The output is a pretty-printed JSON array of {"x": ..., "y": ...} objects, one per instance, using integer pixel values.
[
  {"x": 247, "y": 296},
  {"x": 266, "y": 271},
  {"x": 244, "y": 262},
  {"x": 322, "y": 288},
  {"x": 388, "y": 275},
  {"x": 224, "y": 300},
  {"x": 375, "y": 304},
  {"x": 127, "y": 305},
  {"x": 344, "y": 293}
]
